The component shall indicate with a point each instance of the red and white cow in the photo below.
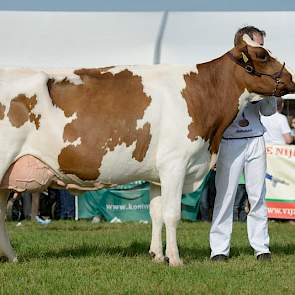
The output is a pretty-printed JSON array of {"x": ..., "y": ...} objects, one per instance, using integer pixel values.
[{"x": 91, "y": 128}]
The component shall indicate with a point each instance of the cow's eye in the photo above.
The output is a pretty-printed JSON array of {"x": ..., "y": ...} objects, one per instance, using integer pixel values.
[{"x": 262, "y": 56}]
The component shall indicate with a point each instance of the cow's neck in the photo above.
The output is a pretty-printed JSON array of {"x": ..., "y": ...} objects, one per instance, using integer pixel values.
[{"x": 212, "y": 96}]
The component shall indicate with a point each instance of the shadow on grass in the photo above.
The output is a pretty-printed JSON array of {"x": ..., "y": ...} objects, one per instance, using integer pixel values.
[
  {"x": 276, "y": 249},
  {"x": 133, "y": 250},
  {"x": 286, "y": 249},
  {"x": 141, "y": 249}
]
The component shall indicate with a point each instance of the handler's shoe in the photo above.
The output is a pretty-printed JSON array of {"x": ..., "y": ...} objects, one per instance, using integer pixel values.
[
  {"x": 219, "y": 257},
  {"x": 264, "y": 257},
  {"x": 41, "y": 220}
]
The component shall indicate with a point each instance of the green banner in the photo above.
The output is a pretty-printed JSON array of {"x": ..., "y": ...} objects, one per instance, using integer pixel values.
[{"x": 130, "y": 202}]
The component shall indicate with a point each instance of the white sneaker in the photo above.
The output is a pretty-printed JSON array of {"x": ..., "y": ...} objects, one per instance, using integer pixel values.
[
  {"x": 116, "y": 220},
  {"x": 96, "y": 219},
  {"x": 42, "y": 221}
]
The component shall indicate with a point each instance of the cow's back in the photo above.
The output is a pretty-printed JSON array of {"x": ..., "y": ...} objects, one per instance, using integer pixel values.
[{"x": 112, "y": 124}]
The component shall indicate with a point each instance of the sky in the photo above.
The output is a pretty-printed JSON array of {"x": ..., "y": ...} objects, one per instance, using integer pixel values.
[{"x": 151, "y": 5}]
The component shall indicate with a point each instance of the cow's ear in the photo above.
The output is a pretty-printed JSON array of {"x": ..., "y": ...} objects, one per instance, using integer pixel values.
[{"x": 240, "y": 52}]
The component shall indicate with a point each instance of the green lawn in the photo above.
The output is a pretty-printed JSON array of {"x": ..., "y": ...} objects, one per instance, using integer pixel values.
[{"x": 69, "y": 257}]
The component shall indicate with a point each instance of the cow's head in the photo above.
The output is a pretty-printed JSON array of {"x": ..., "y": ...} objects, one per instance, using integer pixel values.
[{"x": 260, "y": 71}]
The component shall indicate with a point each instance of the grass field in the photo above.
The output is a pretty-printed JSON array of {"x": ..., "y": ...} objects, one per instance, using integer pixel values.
[{"x": 69, "y": 257}]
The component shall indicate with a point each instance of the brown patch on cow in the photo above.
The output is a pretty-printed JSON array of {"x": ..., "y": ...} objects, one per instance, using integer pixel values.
[
  {"x": 143, "y": 139},
  {"x": 35, "y": 119},
  {"x": 212, "y": 102},
  {"x": 21, "y": 111},
  {"x": 93, "y": 72},
  {"x": 107, "y": 108},
  {"x": 2, "y": 111}
]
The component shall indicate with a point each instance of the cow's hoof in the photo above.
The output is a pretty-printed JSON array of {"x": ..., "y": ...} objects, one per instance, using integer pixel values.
[
  {"x": 156, "y": 258},
  {"x": 14, "y": 260},
  {"x": 152, "y": 254},
  {"x": 3, "y": 259},
  {"x": 173, "y": 262}
]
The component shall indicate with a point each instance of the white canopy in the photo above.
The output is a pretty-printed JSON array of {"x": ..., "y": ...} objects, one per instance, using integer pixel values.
[{"x": 90, "y": 39}]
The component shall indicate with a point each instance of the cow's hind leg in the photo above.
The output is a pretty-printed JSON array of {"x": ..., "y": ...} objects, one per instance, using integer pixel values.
[
  {"x": 5, "y": 247},
  {"x": 171, "y": 188},
  {"x": 156, "y": 248}
]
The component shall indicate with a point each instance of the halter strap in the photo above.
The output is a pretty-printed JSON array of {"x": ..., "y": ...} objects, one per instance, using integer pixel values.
[{"x": 249, "y": 67}]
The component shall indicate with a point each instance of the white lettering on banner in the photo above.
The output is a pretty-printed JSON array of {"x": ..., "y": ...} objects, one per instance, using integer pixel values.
[
  {"x": 280, "y": 151},
  {"x": 127, "y": 207},
  {"x": 281, "y": 211}
]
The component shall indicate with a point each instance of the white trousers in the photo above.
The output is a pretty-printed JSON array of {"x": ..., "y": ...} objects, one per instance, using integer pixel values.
[{"x": 236, "y": 155}]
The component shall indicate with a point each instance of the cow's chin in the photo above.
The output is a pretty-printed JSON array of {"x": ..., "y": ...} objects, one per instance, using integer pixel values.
[{"x": 281, "y": 92}]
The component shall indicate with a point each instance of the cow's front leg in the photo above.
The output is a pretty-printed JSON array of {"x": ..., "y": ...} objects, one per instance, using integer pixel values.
[
  {"x": 156, "y": 248},
  {"x": 171, "y": 187},
  {"x": 5, "y": 247}
]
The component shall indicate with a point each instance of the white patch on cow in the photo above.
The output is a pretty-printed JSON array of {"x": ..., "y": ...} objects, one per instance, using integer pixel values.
[
  {"x": 198, "y": 165},
  {"x": 117, "y": 69},
  {"x": 74, "y": 143},
  {"x": 61, "y": 74},
  {"x": 52, "y": 73},
  {"x": 120, "y": 159}
]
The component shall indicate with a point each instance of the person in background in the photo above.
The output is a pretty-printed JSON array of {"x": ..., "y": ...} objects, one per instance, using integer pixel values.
[
  {"x": 241, "y": 201},
  {"x": 207, "y": 198},
  {"x": 67, "y": 205},
  {"x": 293, "y": 127},
  {"x": 31, "y": 204},
  {"x": 242, "y": 148},
  {"x": 277, "y": 128}
]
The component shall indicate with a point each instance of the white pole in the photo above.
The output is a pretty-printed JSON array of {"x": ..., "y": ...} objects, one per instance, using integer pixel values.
[
  {"x": 158, "y": 45},
  {"x": 76, "y": 208}
]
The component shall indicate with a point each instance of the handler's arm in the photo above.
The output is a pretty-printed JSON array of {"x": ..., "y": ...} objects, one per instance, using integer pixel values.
[{"x": 268, "y": 106}]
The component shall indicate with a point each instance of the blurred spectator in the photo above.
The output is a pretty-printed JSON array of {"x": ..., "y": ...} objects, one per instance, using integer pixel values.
[
  {"x": 277, "y": 128},
  {"x": 67, "y": 205},
  {"x": 52, "y": 203},
  {"x": 64, "y": 207},
  {"x": 207, "y": 198},
  {"x": 241, "y": 201},
  {"x": 293, "y": 127},
  {"x": 31, "y": 205}
]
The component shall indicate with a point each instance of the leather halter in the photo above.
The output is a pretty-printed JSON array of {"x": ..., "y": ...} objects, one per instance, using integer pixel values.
[{"x": 250, "y": 69}]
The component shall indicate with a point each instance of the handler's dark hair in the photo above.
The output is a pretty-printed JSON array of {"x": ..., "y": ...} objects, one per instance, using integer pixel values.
[{"x": 249, "y": 30}]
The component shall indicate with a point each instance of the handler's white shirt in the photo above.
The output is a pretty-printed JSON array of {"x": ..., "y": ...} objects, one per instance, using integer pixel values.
[
  {"x": 251, "y": 113},
  {"x": 276, "y": 125}
]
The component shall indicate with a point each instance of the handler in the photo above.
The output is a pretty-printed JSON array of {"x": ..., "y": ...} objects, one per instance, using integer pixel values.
[{"x": 242, "y": 149}]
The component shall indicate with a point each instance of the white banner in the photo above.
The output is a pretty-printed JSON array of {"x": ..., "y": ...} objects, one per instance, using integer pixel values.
[{"x": 280, "y": 181}]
